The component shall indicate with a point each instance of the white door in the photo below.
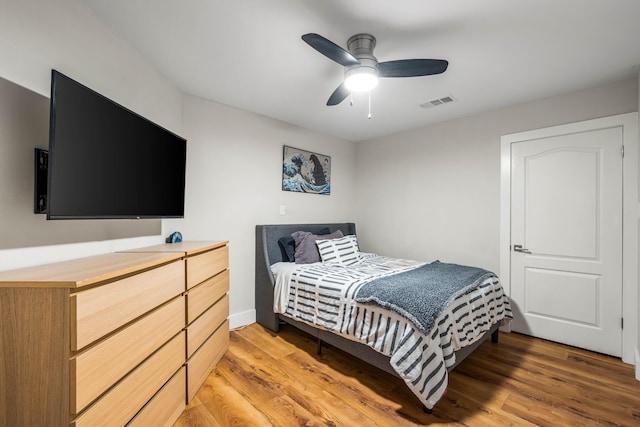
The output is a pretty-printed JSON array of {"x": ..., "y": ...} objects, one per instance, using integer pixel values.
[{"x": 566, "y": 217}]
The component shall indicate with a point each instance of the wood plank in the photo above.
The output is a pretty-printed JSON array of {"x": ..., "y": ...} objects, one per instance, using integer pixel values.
[
  {"x": 137, "y": 388},
  {"x": 353, "y": 399},
  {"x": 204, "y": 295},
  {"x": 83, "y": 272},
  {"x": 565, "y": 387},
  {"x": 34, "y": 338},
  {"x": 186, "y": 247},
  {"x": 204, "y": 360},
  {"x": 472, "y": 412},
  {"x": 205, "y": 325},
  {"x": 101, "y": 310},
  {"x": 521, "y": 381},
  {"x": 222, "y": 404},
  {"x": 200, "y": 416},
  {"x": 206, "y": 264},
  {"x": 597, "y": 366},
  {"x": 165, "y": 407},
  {"x": 260, "y": 384},
  {"x": 263, "y": 381},
  {"x": 376, "y": 379},
  {"x": 270, "y": 342},
  {"x": 95, "y": 370},
  {"x": 279, "y": 377},
  {"x": 483, "y": 392},
  {"x": 284, "y": 411}
]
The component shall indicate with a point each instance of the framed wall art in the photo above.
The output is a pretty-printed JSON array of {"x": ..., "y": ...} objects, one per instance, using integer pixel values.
[{"x": 305, "y": 172}]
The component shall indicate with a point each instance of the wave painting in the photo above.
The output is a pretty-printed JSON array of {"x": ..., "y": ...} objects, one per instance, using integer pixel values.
[{"x": 305, "y": 172}]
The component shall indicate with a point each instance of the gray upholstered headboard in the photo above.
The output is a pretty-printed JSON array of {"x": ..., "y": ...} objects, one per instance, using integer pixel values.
[{"x": 268, "y": 252}]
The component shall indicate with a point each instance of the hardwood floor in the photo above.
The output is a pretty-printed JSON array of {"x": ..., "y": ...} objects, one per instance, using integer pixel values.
[{"x": 270, "y": 379}]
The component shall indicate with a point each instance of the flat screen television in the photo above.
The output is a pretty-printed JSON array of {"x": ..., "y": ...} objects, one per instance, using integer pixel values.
[{"x": 107, "y": 162}]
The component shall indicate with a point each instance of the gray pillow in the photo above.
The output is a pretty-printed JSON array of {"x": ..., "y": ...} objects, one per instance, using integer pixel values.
[
  {"x": 288, "y": 245},
  {"x": 306, "y": 249}
]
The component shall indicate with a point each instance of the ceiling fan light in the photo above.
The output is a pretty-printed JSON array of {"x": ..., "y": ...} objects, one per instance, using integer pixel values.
[{"x": 361, "y": 79}]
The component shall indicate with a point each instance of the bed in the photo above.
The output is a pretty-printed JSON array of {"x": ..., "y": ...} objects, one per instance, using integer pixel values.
[{"x": 420, "y": 353}]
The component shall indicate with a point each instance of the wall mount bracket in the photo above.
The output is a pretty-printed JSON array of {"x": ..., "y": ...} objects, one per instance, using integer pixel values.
[{"x": 41, "y": 166}]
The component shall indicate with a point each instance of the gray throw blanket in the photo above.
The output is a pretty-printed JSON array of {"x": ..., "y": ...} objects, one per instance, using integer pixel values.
[{"x": 422, "y": 294}]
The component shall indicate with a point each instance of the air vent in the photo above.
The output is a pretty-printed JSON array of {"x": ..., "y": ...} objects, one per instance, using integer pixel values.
[{"x": 438, "y": 101}]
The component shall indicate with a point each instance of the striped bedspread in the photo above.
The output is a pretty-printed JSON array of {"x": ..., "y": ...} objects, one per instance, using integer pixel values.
[{"x": 323, "y": 295}]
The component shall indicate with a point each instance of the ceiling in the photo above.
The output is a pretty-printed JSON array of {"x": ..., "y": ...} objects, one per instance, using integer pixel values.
[{"x": 249, "y": 53}]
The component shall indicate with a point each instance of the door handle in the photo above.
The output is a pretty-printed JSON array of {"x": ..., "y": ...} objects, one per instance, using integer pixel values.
[{"x": 519, "y": 248}]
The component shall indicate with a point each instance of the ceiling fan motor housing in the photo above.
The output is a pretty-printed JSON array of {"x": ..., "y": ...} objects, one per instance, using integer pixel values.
[{"x": 361, "y": 47}]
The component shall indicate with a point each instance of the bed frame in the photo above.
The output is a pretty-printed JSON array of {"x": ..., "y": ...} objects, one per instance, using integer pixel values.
[{"x": 268, "y": 252}]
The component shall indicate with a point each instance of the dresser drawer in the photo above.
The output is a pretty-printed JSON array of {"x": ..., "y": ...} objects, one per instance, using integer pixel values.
[
  {"x": 99, "y": 367},
  {"x": 203, "y": 326},
  {"x": 166, "y": 406},
  {"x": 200, "y": 365},
  {"x": 137, "y": 388},
  {"x": 98, "y": 311},
  {"x": 207, "y": 264},
  {"x": 202, "y": 296}
]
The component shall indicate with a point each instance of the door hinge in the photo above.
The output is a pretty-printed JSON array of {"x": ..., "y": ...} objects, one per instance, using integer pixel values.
[
  {"x": 622, "y": 323},
  {"x": 622, "y": 151}
]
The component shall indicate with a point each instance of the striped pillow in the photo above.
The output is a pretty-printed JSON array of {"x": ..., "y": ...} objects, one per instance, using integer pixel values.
[{"x": 342, "y": 251}]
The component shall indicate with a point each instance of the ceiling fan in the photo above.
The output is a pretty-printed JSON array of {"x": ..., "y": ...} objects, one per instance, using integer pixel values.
[{"x": 362, "y": 69}]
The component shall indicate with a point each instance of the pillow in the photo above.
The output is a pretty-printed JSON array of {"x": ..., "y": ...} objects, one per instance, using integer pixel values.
[
  {"x": 343, "y": 251},
  {"x": 288, "y": 245},
  {"x": 306, "y": 249},
  {"x": 288, "y": 248}
]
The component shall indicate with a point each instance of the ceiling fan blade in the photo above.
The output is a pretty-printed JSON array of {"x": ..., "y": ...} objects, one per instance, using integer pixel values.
[
  {"x": 338, "y": 95},
  {"x": 330, "y": 49},
  {"x": 412, "y": 67}
]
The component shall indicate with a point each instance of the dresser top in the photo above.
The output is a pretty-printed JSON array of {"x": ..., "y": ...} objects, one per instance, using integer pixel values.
[
  {"x": 82, "y": 272},
  {"x": 186, "y": 248}
]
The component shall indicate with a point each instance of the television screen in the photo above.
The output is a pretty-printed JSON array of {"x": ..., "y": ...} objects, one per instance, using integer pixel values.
[{"x": 106, "y": 161}]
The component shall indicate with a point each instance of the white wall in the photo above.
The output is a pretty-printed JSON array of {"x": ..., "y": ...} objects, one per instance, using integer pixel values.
[
  {"x": 38, "y": 35},
  {"x": 434, "y": 192},
  {"x": 234, "y": 177}
]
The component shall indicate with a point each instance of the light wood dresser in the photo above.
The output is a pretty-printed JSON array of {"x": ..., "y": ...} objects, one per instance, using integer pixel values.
[{"x": 124, "y": 338}]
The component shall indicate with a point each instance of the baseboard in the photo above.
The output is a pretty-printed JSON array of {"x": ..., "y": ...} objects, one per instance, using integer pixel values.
[
  {"x": 638, "y": 364},
  {"x": 239, "y": 320}
]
